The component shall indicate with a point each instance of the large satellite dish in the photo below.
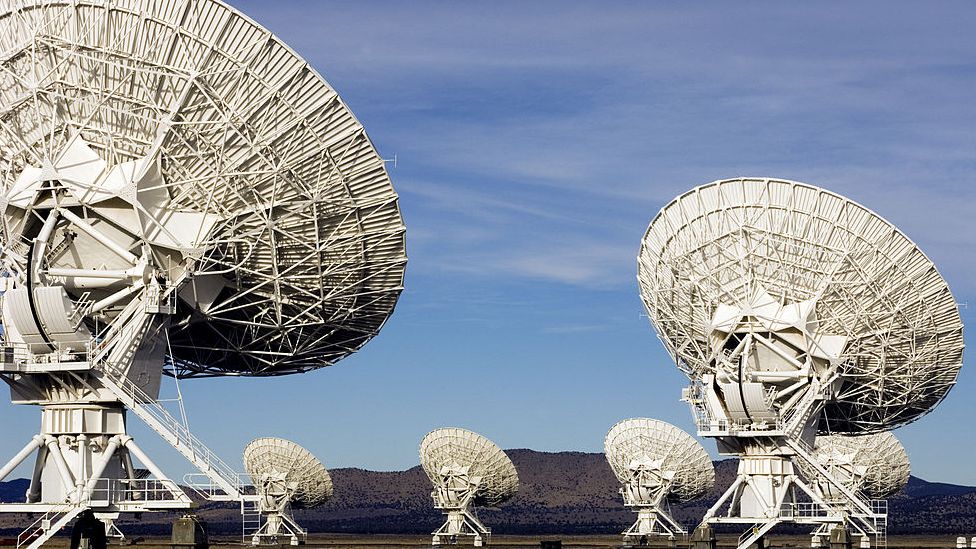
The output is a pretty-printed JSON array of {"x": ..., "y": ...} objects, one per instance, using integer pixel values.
[
  {"x": 467, "y": 470},
  {"x": 287, "y": 477},
  {"x": 657, "y": 463},
  {"x": 179, "y": 189},
  {"x": 863, "y": 299},
  {"x": 793, "y": 311},
  {"x": 202, "y": 151}
]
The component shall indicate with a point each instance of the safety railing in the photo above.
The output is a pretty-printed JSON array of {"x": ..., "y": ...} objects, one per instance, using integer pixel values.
[
  {"x": 879, "y": 506},
  {"x": 803, "y": 510},
  {"x": 753, "y": 534},
  {"x": 136, "y": 491},
  {"x": 81, "y": 306},
  {"x": 708, "y": 425},
  {"x": 205, "y": 486},
  {"x": 47, "y": 525},
  {"x": 175, "y": 432},
  {"x": 56, "y": 352},
  {"x": 159, "y": 301}
]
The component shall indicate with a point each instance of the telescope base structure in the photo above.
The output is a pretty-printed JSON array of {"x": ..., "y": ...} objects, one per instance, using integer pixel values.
[
  {"x": 703, "y": 538},
  {"x": 652, "y": 522},
  {"x": 83, "y": 467},
  {"x": 277, "y": 527},
  {"x": 766, "y": 493},
  {"x": 189, "y": 532},
  {"x": 839, "y": 537},
  {"x": 461, "y": 522},
  {"x": 84, "y": 458}
]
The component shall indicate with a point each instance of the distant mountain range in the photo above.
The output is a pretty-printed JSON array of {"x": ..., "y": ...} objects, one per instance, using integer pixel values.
[{"x": 561, "y": 493}]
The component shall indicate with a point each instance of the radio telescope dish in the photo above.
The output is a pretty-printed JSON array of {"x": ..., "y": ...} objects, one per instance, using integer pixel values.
[
  {"x": 467, "y": 470},
  {"x": 276, "y": 457},
  {"x": 869, "y": 302},
  {"x": 876, "y": 464},
  {"x": 181, "y": 193},
  {"x": 287, "y": 477},
  {"x": 205, "y": 155},
  {"x": 656, "y": 462},
  {"x": 794, "y": 310}
]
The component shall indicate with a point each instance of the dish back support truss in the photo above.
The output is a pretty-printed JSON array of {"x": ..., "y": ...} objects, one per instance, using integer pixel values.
[{"x": 178, "y": 189}]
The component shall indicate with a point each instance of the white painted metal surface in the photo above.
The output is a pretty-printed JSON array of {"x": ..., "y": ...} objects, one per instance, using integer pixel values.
[
  {"x": 831, "y": 279},
  {"x": 876, "y": 464},
  {"x": 180, "y": 193},
  {"x": 794, "y": 310},
  {"x": 467, "y": 470},
  {"x": 657, "y": 463},
  {"x": 185, "y": 138},
  {"x": 287, "y": 477}
]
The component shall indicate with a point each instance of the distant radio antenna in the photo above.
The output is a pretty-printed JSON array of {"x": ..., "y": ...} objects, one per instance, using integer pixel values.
[
  {"x": 467, "y": 471},
  {"x": 286, "y": 477},
  {"x": 876, "y": 464},
  {"x": 657, "y": 463}
]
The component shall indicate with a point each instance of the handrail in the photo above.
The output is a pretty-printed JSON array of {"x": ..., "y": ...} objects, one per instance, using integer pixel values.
[
  {"x": 43, "y": 528},
  {"x": 175, "y": 433},
  {"x": 64, "y": 351},
  {"x": 805, "y": 452},
  {"x": 144, "y": 490}
]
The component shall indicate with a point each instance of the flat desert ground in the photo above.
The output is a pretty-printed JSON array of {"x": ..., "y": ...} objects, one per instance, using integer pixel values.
[{"x": 356, "y": 541}]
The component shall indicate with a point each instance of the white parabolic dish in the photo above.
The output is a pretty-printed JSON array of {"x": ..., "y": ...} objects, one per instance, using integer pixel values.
[
  {"x": 456, "y": 447},
  {"x": 754, "y": 244},
  {"x": 276, "y": 456},
  {"x": 879, "y": 461},
  {"x": 186, "y": 129},
  {"x": 677, "y": 452}
]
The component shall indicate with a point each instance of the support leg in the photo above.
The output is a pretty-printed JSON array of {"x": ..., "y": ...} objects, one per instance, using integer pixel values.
[{"x": 34, "y": 444}]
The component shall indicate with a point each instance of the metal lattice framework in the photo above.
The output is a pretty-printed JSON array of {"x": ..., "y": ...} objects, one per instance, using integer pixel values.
[
  {"x": 875, "y": 464},
  {"x": 187, "y": 129},
  {"x": 673, "y": 451},
  {"x": 833, "y": 273},
  {"x": 276, "y": 457},
  {"x": 452, "y": 447},
  {"x": 181, "y": 193}
]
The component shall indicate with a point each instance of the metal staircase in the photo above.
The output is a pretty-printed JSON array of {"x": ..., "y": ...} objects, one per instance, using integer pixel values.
[
  {"x": 174, "y": 432},
  {"x": 804, "y": 452},
  {"x": 754, "y": 534},
  {"x": 224, "y": 478},
  {"x": 864, "y": 517},
  {"x": 796, "y": 418},
  {"x": 49, "y": 524}
]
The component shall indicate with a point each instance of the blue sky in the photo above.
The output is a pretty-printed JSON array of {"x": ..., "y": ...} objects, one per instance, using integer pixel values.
[{"x": 535, "y": 141}]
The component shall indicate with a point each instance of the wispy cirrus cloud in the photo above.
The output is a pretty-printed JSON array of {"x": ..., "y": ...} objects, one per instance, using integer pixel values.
[{"x": 535, "y": 142}]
